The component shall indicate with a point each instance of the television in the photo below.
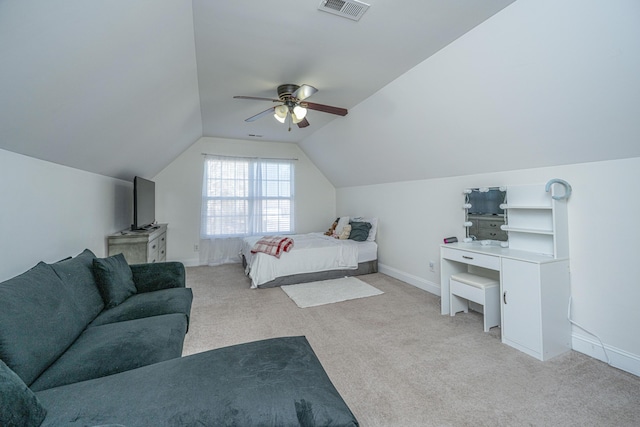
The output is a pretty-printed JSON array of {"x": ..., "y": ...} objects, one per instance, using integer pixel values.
[
  {"x": 486, "y": 202},
  {"x": 144, "y": 204}
]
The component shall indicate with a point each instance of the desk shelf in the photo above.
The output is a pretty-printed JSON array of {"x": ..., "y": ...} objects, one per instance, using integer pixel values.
[
  {"x": 527, "y": 230},
  {"x": 535, "y": 221},
  {"x": 533, "y": 271},
  {"x": 530, "y": 207}
]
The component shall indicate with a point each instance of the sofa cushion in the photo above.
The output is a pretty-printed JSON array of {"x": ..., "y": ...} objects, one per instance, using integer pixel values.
[
  {"x": 117, "y": 347},
  {"x": 277, "y": 381},
  {"x": 38, "y": 321},
  {"x": 138, "y": 306},
  {"x": 77, "y": 275},
  {"x": 159, "y": 275},
  {"x": 19, "y": 407},
  {"x": 114, "y": 278}
]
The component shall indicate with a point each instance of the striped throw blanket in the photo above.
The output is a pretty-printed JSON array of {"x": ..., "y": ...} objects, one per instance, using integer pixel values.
[{"x": 273, "y": 245}]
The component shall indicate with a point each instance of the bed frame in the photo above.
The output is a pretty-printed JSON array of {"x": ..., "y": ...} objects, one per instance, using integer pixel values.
[{"x": 368, "y": 267}]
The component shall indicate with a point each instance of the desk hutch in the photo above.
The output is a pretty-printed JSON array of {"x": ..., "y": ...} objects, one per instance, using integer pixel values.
[{"x": 533, "y": 271}]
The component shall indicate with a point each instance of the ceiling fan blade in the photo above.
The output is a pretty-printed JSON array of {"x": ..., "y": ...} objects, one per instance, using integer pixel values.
[
  {"x": 303, "y": 92},
  {"x": 257, "y": 98},
  {"x": 260, "y": 115},
  {"x": 325, "y": 108},
  {"x": 303, "y": 123}
]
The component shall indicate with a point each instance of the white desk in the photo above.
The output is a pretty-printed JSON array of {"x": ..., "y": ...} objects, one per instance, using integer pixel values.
[{"x": 534, "y": 292}]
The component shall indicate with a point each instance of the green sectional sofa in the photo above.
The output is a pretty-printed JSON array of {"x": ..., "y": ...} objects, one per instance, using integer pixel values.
[{"x": 93, "y": 341}]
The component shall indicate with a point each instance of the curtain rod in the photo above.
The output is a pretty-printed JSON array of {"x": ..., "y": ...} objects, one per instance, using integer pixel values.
[{"x": 247, "y": 157}]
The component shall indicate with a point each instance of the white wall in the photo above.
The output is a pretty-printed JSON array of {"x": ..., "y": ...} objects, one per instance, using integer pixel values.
[
  {"x": 543, "y": 89},
  {"x": 49, "y": 212},
  {"x": 415, "y": 216},
  {"x": 179, "y": 191},
  {"x": 541, "y": 83},
  {"x": 99, "y": 85}
]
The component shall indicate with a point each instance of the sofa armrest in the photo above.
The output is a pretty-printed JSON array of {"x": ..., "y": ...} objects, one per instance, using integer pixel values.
[{"x": 157, "y": 276}]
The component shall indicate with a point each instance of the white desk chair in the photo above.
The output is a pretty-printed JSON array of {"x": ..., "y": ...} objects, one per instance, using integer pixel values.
[{"x": 465, "y": 287}]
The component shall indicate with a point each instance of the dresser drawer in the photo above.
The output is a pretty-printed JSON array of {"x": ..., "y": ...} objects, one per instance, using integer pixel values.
[
  {"x": 487, "y": 234},
  {"x": 490, "y": 224},
  {"x": 162, "y": 253},
  {"x": 153, "y": 250},
  {"x": 141, "y": 246},
  {"x": 472, "y": 258}
]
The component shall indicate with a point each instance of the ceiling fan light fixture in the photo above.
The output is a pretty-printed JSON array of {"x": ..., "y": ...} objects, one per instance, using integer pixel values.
[
  {"x": 292, "y": 106},
  {"x": 295, "y": 119},
  {"x": 280, "y": 113},
  {"x": 300, "y": 112}
]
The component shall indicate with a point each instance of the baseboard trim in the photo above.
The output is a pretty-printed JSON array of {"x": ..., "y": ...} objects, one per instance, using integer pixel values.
[
  {"x": 191, "y": 262},
  {"x": 617, "y": 358},
  {"x": 585, "y": 344},
  {"x": 416, "y": 281}
]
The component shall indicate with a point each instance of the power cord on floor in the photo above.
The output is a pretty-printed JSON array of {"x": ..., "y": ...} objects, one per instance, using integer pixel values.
[{"x": 604, "y": 350}]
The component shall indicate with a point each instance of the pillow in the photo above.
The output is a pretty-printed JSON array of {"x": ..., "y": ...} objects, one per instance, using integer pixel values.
[
  {"x": 374, "y": 229},
  {"x": 77, "y": 275},
  {"x": 115, "y": 279},
  {"x": 332, "y": 229},
  {"x": 346, "y": 231},
  {"x": 374, "y": 226},
  {"x": 344, "y": 220},
  {"x": 359, "y": 231},
  {"x": 29, "y": 340},
  {"x": 18, "y": 406}
]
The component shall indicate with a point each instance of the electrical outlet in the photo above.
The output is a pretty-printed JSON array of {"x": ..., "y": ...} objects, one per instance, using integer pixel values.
[
  {"x": 195, "y": 248},
  {"x": 432, "y": 266}
]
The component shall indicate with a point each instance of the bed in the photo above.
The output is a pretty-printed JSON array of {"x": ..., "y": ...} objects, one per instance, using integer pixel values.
[{"x": 313, "y": 256}]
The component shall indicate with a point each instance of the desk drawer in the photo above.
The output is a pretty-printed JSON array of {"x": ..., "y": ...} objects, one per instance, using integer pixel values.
[{"x": 472, "y": 258}]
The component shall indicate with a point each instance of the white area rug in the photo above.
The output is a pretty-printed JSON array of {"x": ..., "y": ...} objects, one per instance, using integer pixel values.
[{"x": 329, "y": 291}]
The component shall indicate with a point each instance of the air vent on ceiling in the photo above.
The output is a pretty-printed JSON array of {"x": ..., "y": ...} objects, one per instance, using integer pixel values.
[{"x": 351, "y": 9}]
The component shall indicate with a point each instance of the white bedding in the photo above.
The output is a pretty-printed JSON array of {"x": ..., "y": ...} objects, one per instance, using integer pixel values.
[{"x": 310, "y": 253}]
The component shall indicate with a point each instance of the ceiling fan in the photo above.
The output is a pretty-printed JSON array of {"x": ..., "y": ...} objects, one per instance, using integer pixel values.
[{"x": 293, "y": 105}]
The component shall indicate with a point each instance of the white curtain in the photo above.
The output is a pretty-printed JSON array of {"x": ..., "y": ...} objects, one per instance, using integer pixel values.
[
  {"x": 243, "y": 197},
  {"x": 220, "y": 251}
]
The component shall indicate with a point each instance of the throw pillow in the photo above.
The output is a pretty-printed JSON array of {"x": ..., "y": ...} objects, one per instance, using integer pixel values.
[
  {"x": 359, "y": 231},
  {"x": 346, "y": 230},
  {"x": 374, "y": 226},
  {"x": 342, "y": 222},
  {"x": 19, "y": 407},
  {"x": 374, "y": 229},
  {"x": 331, "y": 229},
  {"x": 77, "y": 275},
  {"x": 115, "y": 279}
]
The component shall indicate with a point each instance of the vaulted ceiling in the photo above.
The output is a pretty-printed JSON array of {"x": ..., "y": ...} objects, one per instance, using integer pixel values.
[{"x": 121, "y": 88}]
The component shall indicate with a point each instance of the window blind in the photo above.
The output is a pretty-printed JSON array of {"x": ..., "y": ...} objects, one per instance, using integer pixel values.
[{"x": 247, "y": 196}]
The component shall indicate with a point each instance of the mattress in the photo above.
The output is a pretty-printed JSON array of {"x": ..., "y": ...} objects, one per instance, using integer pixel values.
[
  {"x": 367, "y": 251},
  {"x": 313, "y": 252}
]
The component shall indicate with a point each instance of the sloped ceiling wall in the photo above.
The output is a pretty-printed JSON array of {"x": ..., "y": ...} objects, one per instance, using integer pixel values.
[
  {"x": 249, "y": 47},
  {"x": 112, "y": 87},
  {"x": 121, "y": 88},
  {"x": 541, "y": 83},
  {"x": 104, "y": 86}
]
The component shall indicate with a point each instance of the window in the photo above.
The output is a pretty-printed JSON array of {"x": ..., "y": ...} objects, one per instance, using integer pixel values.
[{"x": 244, "y": 197}]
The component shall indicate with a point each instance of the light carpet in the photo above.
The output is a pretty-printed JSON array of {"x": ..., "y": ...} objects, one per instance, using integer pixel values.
[
  {"x": 397, "y": 361},
  {"x": 323, "y": 292}
]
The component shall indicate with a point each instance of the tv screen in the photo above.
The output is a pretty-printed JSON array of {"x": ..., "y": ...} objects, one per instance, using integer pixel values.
[
  {"x": 486, "y": 203},
  {"x": 144, "y": 203}
]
